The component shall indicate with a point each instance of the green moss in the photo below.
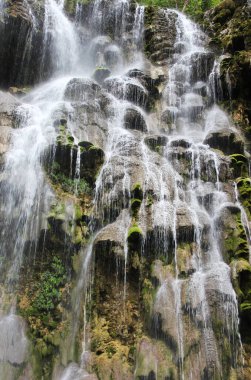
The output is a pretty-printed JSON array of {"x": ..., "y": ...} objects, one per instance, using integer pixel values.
[
  {"x": 148, "y": 294},
  {"x": 235, "y": 242},
  {"x": 135, "y": 205},
  {"x": 135, "y": 230},
  {"x": 244, "y": 189},
  {"x": 137, "y": 191}
]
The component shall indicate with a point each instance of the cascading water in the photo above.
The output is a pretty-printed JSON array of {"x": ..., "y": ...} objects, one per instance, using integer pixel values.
[{"x": 146, "y": 294}]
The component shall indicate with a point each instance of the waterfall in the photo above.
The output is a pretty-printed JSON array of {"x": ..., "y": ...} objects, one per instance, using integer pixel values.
[{"x": 114, "y": 168}]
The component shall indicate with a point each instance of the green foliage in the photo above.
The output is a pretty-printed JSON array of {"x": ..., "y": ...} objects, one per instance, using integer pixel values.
[
  {"x": 239, "y": 163},
  {"x": 236, "y": 241},
  {"x": 192, "y": 7},
  {"x": 244, "y": 188},
  {"x": 76, "y": 186},
  {"x": 245, "y": 306},
  {"x": 49, "y": 295}
]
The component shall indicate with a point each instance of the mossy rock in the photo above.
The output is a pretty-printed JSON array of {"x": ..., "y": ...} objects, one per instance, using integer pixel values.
[
  {"x": 135, "y": 238},
  {"x": 137, "y": 192},
  {"x": 135, "y": 205},
  {"x": 101, "y": 73}
]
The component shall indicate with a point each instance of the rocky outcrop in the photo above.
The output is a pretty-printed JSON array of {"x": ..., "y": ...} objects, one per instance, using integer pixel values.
[
  {"x": 8, "y": 119},
  {"x": 229, "y": 25},
  {"x": 159, "y": 35},
  {"x": 20, "y": 34}
]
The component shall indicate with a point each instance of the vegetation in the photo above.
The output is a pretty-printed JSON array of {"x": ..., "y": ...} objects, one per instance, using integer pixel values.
[
  {"x": 40, "y": 306},
  {"x": 70, "y": 185},
  {"x": 192, "y": 7}
]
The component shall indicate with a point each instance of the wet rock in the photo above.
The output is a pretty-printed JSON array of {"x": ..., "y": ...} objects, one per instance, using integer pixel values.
[
  {"x": 225, "y": 140},
  {"x": 109, "y": 244},
  {"x": 180, "y": 143},
  {"x": 13, "y": 343},
  {"x": 149, "y": 83},
  {"x": 169, "y": 115},
  {"x": 101, "y": 73},
  {"x": 202, "y": 65},
  {"x": 200, "y": 88},
  {"x": 91, "y": 158},
  {"x": 192, "y": 106},
  {"x": 79, "y": 89},
  {"x": 154, "y": 142},
  {"x": 134, "y": 119},
  {"x": 150, "y": 354},
  {"x": 8, "y": 106},
  {"x": 185, "y": 227},
  {"x": 128, "y": 89},
  {"x": 73, "y": 371},
  {"x": 20, "y": 60},
  {"x": 112, "y": 56},
  {"x": 160, "y": 35},
  {"x": 135, "y": 238}
]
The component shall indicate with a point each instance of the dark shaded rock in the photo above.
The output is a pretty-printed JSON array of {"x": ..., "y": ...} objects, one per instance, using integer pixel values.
[
  {"x": 169, "y": 115},
  {"x": 202, "y": 65},
  {"x": 101, "y": 73},
  {"x": 180, "y": 143},
  {"x": 225, "y": 140},
  {"x": 79, "y": 89},
  {"x": 155, "y": 141},
  {"x": 128, "y": 89},
  {"x": 160, "y": 35},
  {"x": 112, "y": 55},
  {"x": 192, "y": 106},
  {"x": 133, "y": 119},
  {"x": 91, "y": 158},
  {"x": 149, "y": 83},
  {"x": 20, "y": 59},
  {"x": 8, "y": 120},
  {"x": 200, "y": 88}
]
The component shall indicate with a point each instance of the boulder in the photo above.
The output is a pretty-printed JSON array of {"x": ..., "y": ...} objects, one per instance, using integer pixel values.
[
  {"x": 134, "y": 119},
  {"x": 112, "y": 55},
  {"x": 81, "y": 89},
  {"x": 201, "y": 66},
  {"x": 200, "y": 88},
  {"x": 101, "y": 73},
  {"x": 169, "y": 115},
  {"x": 226, "y": 140},
  {"x": 8, "y": 106},
  {"x": 91, "y": 158},
  {"x": 160, "y": 34},
  {"x": 156, "y": 141},
  {"x": 128, "y": 89},
  {"x": 192, "y": 106},
  {"x": 149, "y": 83},
  {"x": 180, "y": 143},
  {"x": 13, "y": 342},
  {"x": 109, "y": 244},
  {"x": 20, "y": 59}
]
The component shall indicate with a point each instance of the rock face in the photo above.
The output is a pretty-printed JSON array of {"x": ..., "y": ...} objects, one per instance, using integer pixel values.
[
  {"x": 8, "y": 106},
  {"x": 225, "y": 140},
  {"x": 20, "y": 33},
  {"x": 230, "y": 22},
  {"x": 131, "y": 250}
]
